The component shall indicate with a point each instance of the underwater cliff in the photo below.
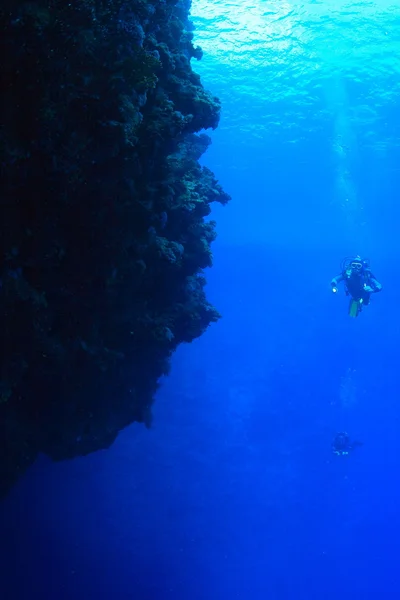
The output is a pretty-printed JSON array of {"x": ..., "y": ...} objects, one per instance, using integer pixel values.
[{"x": 102, "y": 229}]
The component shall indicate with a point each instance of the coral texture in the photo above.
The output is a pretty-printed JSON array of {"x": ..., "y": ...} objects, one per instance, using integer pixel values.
[{"x": 103, "y": 237}]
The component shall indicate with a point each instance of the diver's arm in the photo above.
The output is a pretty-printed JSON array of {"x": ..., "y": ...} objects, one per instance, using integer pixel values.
[
  {"x": 336, "y": 280},
  {"x": 376, "y": 286},
  {"x": 374, "y": 283}
]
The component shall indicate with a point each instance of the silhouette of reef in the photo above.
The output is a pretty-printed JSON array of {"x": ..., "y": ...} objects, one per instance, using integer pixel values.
[{"x": 103, "y": 238}]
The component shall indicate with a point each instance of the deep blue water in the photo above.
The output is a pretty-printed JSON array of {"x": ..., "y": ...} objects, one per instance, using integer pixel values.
[{"x": 234, "y": 493}]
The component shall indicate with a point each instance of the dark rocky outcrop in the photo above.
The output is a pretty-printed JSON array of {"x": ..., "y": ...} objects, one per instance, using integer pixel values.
[{"x": 103, "y": 238}]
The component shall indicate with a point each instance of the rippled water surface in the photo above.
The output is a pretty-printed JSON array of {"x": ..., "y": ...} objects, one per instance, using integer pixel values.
[{"x": 310, "y": 91}]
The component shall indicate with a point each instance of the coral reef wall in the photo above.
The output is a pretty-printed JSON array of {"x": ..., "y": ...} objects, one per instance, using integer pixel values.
[{"x": 103, "y": 238}]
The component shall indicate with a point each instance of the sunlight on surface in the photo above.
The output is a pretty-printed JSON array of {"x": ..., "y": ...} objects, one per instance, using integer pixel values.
[
  {"x": 288, "y": 70},
  {"x": 248, "y": 33}
]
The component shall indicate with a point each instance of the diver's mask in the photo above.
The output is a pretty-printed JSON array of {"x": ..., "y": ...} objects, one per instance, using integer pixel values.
[{"x": 357, "y": 266}]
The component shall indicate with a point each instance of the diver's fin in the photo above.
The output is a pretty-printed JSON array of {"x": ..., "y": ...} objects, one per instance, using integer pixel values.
[
  {"x": 357, "y": 443},
  {"x": 354, "y": 308}
]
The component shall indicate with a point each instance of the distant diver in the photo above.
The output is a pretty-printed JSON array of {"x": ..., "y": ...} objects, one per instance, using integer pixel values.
[
  {"x": 342, "y": 445},
  {"x": 359, "y": 283}
]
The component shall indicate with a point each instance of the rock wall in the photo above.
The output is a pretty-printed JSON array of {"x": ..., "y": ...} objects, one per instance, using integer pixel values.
[{"x": 103, "y": 239}]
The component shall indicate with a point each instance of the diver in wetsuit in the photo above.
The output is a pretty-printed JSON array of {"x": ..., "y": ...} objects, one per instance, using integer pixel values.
[
  {"x": 359, "y": 281},
  {"x": 342, "y": 445}
]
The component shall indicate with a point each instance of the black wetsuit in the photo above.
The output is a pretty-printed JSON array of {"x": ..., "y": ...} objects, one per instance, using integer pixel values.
[
  {"x": 342, "y": 445},
  {"x": 356, "y": 282}
]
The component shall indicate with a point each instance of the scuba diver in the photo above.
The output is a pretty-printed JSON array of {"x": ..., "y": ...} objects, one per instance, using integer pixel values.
[
  {"x": 342, "y": 445},
  {"x": 359, "y": 283}
]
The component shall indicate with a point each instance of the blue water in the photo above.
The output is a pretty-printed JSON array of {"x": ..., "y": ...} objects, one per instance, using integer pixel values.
[{"x": 234, "y": 493}]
